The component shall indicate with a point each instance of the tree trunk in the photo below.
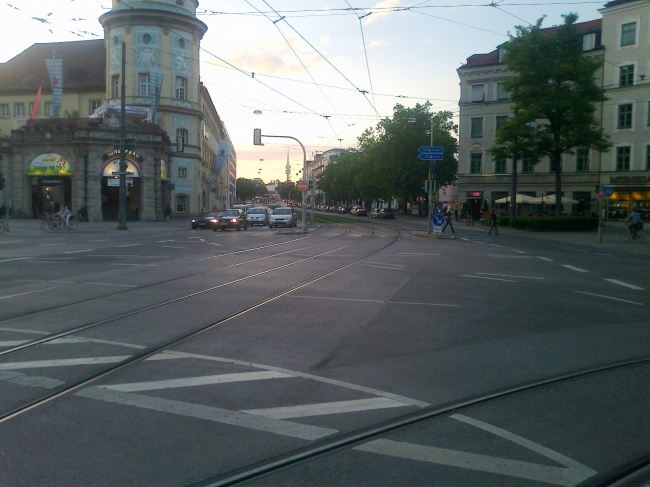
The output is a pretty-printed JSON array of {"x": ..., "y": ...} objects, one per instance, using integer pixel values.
[
  {"x": 513, "y": 190},
  {"x": 558, "y": 184}
]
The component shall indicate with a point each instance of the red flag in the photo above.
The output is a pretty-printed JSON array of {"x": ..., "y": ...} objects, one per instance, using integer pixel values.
[{"x": 37, "y": 103}]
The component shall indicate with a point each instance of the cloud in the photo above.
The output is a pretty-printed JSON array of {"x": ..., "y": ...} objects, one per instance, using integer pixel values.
[
  {"x": 273, "y": 56},
  {"x": 374, "y": 45},
  {"x": 379, "y": 15},
  {"x": 324, "y": 40}
]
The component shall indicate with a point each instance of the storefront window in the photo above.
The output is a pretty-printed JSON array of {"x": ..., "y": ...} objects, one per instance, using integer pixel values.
[{"x": 181, "y": 204}]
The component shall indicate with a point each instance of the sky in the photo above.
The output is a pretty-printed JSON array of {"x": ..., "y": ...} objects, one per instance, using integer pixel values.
[{"x": 313, "y": 78}]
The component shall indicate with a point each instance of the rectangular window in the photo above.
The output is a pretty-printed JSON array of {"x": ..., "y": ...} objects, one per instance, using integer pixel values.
[
  {"x": 477, "y": 93},
  {"x": 182, "y": 172},
  {"x": 527, "y": 166},
  {"x": 628, "y": 34},
  {"x": 500, "y": 166},
  {"x": 31, "y": 108},
  {"x": 648, "y": 121},
  {"x": 477, "y": 127},
  {"x": 4, "y": 110},
  {"x": 115, "y": 86},
  {"x": 94, "y": 105},
  {"x": 501, "y": 54},
  {"x": 144, "y": 83},
  {"x": 623, "y": 156},
  {"x": 181, "y": 204},
  {"x": 625, "y": 116},
  {"x": 19, "y": 110},
  {"x": 501, "y": 119},
  {"x": 647, "y": 157},
  {"x": 475, "y": 162},
  {"x": 626, "y": 75},
  {"x": 48, "y": 108},
  {"x": 551, "y": 166},
  {"x": 181, "y": 88},
  {"x": 588, "y": 42},
  {"x": 582, "y": 160},
  {"x": 502, "y": 94}
]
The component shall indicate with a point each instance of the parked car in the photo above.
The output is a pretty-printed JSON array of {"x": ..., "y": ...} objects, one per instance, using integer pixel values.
[
  {"x": 386, "y": 214},
  {"x": 258, "y": 216},
  {"x": 204, "y": 220},
  {"x": 344, "y": 209},
  {"x": 230, "y": 218},
  {"x": 283, "y": 217},
  {"x": 357, "y": 210},
  {"x": 374, "y": 213}
]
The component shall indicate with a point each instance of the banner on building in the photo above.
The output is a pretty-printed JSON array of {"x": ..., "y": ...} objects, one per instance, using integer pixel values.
[
  {"x": 225, "y": 150},
  {"x": 55, "y": 70},
  {"x": 49, "y": 165},
  {"x": 156, "y": 79}
]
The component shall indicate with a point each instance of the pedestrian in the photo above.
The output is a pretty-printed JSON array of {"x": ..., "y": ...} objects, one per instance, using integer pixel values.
[
  {"x": 448, "y": 214},
  {"x": 493, "y": 216},
  {"x": 167, "y": 212}
]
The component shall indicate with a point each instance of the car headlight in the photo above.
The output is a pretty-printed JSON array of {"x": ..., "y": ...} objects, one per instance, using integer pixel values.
[
  {"x": 193, "y": 221},
  {"x": 234, "y": 220},
  {"x": 214, "y": 220}
]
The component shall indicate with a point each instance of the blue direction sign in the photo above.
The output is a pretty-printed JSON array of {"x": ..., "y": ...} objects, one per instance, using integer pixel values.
[
  {"x": 430, "y": 157},
  {"x": 608, "y": 191},
  {"x": 431, "y": 150},
  {"x": 439, "y": 209},
  {"x": 438, "y": 219}
]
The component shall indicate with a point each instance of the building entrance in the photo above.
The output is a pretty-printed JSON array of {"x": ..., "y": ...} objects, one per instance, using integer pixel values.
[{"x": 111, "y": 190}]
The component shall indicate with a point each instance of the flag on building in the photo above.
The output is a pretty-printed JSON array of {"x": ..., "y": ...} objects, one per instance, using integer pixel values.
[
  {"x": 225, "y": 149},
  {"x": 37, "y": 103},
  {"x": 55, "y": 70},
  {"x": 156, "y": 78}
]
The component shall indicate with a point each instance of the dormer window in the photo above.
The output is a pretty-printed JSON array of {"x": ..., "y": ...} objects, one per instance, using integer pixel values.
[
  {"x": 589, "y": 41},
  {"x": 502, "y": 53}
]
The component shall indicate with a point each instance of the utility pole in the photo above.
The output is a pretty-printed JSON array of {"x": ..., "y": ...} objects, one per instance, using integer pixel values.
[
  {"x": 513, "y": 189},
  {"x": 122, "y": 172},
  {"x": 430, "y": 184}
]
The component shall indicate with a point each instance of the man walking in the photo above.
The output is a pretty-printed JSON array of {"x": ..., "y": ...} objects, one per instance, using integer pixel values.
[
  {"x": 493, "y": 216},
  {"x": 447, "y": 213}
]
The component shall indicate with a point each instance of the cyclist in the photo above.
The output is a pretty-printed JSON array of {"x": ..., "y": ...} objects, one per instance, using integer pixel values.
[
  {"x": 635, "y": 223},
  {"x": 65, "y": 214}
]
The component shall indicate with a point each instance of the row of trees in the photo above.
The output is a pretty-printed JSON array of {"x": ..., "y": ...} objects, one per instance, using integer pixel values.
[
  {"x": 249, "y": 188},
  {"x": 386, "y": 165}
]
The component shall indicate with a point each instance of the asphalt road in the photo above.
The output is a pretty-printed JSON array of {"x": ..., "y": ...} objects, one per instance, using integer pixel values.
[{"x": 355, "y": 354}]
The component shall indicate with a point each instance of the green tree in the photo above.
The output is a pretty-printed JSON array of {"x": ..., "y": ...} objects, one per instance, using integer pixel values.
[
  {"x": 246, "y": 189},
  {"x": 288, "y": 190},
  {"x": 554, "y": 93}
]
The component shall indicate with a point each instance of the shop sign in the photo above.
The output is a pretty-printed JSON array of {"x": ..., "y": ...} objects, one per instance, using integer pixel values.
[
  {"x": 474, "y": 195},
  {"x": 115, "y": 183},
  {"x": 127, "y": 152},
  {"x": 113, "y": 167},
  {"x": 629, "y": 179},
  {"x": 49, "y": 165},
  {"x": 163, "y": 170},
  {"x": 51, "y": 181}
]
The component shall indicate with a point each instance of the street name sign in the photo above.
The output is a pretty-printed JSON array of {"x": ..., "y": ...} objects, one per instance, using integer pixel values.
[
  {"x": 431, "y": 150},
  {"x": 430, "y": 157}
]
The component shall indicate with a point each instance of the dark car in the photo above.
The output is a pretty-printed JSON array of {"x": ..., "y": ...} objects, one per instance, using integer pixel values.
[
  {"x": 204, "y": 220},
  {"x": 386, "y": 214},
  {"x": 361, "y": 211},
  {"x": 231, "y": 218}
]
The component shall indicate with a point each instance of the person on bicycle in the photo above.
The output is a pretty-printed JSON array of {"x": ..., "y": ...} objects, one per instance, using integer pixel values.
[
  {"x": 635, "y": 223},
  {"x": 65, "y": 214}
]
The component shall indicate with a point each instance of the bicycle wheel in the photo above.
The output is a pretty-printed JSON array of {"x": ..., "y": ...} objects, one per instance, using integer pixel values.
[
  {"x": 2, "y": 227},
  {"x": 625, "y": 236},
  {"x": 56, "y": 224},
  {"x": 45, "y": 225},
  {"x": 72, "y": 223},
  {"x": 639, "y": 237}
]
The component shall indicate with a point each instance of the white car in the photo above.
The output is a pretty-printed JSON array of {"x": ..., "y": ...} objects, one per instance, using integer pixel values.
[
  {"x": 258, "y": 216},
  {"x": 283, "y": 217}
]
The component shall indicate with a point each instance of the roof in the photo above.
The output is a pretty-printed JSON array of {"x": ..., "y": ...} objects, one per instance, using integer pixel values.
[
  {"x": 618, "y": 2},
  {"x": 490, "y": 58},
  {"x": 84, "y": 66}
]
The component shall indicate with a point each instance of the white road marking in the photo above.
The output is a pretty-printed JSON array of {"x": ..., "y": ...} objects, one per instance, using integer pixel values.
[
  {"x": 17, "y": 258},
  {"x": 168, "y": 247},
  {"x": 46, "y": 262},
  {"x": 139, "y": 265},
  {"x": 405, "y": 254},
  {"x": 338, "y": 299},
  {"x": 51, "y": 245},
  {"x": 576, "y": 250},
  {"x": 78, "y": 339},
  {"x": 545, "y": 259},
  {"x": 220, "y": 245},
  {"x": 295, "y": 373},
  {"x": 385, "y": 263},
  {"x": 380, "y": 267},
  {"x": 577, "y": 269},
  {"x": 129, "y": 245},
  {"x": 92, "y": 241},
  {"x": 109, "y": 284},
  {"x": 463, "y": 238},
  {"x": 482, "y": 463},
  {"x": 38, "y": 364},
  {"x": 491, "y": 278},
  {"x": 31, "y": 381},
  {"x": 79, "y": 251},
  {"x": 609, "y": 297},
  {"x": 163, "y": 241},
  {"x": 519, "y": 251},
  {"x": 196, "y": 381},
  {"x": 423, "y": 304},
  {"x": 506, "y": 275},
  {"x": 510, "y": 256},
  {"x": 209, "y": 413},
  {"x": 625, "y": 284},
  {"x": 13, "y": 343},
  {"x": 21, "y": 330},
  {"x": 495, "y": 245},
  {"x": 23, "y": 294},
  {"x": 325, "y": 408},
  {"x": 42, "y": 280}
]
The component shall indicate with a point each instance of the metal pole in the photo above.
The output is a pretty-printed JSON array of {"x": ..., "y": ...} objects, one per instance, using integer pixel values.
[
  {"x": 313, "y": 194},
  {"x": 122, "y": 222}
]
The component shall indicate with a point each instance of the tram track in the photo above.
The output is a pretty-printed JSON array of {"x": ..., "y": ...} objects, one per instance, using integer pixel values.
[{"x": 149, "y": 351}]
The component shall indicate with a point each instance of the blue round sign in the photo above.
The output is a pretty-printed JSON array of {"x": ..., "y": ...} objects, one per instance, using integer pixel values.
[
  {"x": 439, "y": 209},
  {"x": 608, "y": 191},
  {"x": 438, "y": 219}
]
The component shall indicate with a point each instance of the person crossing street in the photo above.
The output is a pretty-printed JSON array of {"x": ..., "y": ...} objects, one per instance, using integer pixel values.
[
  {"x": 493, "y": 216},
  {"x": 446, "y": 211}
]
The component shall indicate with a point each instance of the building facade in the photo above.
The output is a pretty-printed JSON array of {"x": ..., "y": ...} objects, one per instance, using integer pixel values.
[
  {"x": 174, "y": 127},
  {"x": 484, "y": 105}
]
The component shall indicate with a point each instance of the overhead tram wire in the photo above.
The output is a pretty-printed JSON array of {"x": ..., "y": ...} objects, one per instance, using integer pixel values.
[
  {"x": 459, "y": 23},
  {"x": 324, "y": 58},
  {"x": 365, "y": 52},
  {"x": 275, "y": 24},
  {"x": 496, "y": 5}
]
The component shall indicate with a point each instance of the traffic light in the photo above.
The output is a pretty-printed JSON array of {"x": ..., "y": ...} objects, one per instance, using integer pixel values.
[{"x": 311, "y": 183}]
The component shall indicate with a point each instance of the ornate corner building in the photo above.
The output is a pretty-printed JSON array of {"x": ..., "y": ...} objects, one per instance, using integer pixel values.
[
  {"x": 622, "y": 40},
  {"x": 62, "y": 144}
]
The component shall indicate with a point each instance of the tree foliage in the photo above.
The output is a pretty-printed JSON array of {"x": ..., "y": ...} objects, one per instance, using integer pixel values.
[
  {"x": 249, "y": 188},
  {"x": 386, "y": 165},
  {"x": 554, "y": 97}
]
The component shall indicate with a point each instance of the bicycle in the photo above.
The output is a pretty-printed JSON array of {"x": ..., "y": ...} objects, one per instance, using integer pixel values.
[
  {"x": 628, "y": 237},
  {"x": 48, "y": 222}
]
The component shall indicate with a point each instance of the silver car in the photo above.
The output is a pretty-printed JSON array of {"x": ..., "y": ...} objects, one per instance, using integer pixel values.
[
  {"x": 284, "y": 217},
  {"x": 258, "y": 216}
]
